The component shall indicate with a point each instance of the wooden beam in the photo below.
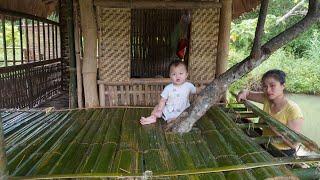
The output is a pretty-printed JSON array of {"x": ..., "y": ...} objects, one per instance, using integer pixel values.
[
  {"x": 27, "y": 16},
  {"x": 158, "y": 4}
]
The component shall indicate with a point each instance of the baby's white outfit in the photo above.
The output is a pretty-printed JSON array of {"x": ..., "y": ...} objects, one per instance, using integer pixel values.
[{"x": 177, "y": 99}]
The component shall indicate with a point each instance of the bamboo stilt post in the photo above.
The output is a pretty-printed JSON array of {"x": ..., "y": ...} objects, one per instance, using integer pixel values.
[
  {"x": 78, "y": 58},
  {"x": 102, "y": 95},
  {"x": 72, "y": 55},
  {"x": 224, "y": 36},
  {"x": 224, "y": 39},
  {"x": 3, "y": 159},
  {"x": 89, "y": 71}
]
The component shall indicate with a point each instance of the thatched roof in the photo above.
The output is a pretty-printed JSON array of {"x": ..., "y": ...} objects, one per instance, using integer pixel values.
[
  {"x": 43, "y": 8},
  {"x": 241, "y": 6},
  {"x": 40, "y": 8}
]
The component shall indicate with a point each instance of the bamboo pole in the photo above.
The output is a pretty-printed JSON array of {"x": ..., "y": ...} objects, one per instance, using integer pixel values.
[
  {"x": 102, "y": 95},
  {"x": 173, "y": 173},
  {"x": 4, "y": 41},
  {"x": 89, "y": 70},
  {"x": 224, "y": 39},
  {"x": 224, "y": 36},
  {"x": 78, "y": 57},
  {"x": 72, "y": 55},
  {"x": 3, "y": 159},
  {"x": 287, "y": 134}
]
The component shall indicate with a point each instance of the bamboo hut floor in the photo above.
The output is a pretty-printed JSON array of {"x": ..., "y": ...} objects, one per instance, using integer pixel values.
[
  {"x": 60, "y": 101},
  {"x": 111, "y": 143}
]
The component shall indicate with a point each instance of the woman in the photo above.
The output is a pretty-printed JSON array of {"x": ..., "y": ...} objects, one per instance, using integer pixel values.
[{"x": 277, "y": 105}]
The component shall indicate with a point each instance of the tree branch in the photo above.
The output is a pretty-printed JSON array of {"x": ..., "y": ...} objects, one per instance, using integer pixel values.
[
  {"x": 256, "y": 48},
  {"x": 291, "y": 12},
  {"x": 213, "y": 92}
]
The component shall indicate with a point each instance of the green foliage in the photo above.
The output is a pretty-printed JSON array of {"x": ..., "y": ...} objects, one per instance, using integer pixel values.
[
  {"x": 9, "y": 41},
  {"x": 300, "y": 59}
]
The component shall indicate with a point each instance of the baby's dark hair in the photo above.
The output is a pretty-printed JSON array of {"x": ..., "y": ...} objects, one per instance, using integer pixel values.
[
  {"x": 176, "y": 63},
  {"x": 276, "y": 74}
]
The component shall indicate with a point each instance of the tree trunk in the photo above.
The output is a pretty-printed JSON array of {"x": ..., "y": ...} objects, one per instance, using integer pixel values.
[
  {"x": 213, "y": 92},
  {"x": 89, "y": 71}
]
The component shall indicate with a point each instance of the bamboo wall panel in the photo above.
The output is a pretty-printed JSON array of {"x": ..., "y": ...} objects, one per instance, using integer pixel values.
[
  {"x": 28, "y": 85},
  {"x": 204, "y": 44},
  {"x": 114, "y": 44}
]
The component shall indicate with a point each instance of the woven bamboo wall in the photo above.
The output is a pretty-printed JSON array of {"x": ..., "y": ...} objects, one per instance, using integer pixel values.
[
  {"x": 204, "y": 43},
  {"x": 114, "y": 46}
]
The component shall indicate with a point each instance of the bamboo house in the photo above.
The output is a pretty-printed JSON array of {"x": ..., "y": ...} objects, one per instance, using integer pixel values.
[{"x": 99, "y": 65}]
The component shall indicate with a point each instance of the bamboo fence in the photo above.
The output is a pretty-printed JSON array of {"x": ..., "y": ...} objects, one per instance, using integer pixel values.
[{"x": 111, "y": 143}]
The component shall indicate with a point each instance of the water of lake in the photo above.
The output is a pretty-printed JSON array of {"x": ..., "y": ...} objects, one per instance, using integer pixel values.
[{"x": 310, "y": 106}]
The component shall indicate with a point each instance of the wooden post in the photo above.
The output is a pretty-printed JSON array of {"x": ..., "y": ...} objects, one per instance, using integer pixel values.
[
  {"x": 224, "y": 39},
  {"x": 3, "y": 159},
  {"x": 72, "y": 55}
]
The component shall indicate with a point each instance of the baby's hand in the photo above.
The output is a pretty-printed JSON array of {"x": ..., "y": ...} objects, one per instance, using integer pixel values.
[
  {"x": 148, "y": 120},
  {"x": 157, "y": 113}
]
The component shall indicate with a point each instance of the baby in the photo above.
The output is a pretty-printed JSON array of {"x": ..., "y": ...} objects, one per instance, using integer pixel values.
[{"x": 175, "y": 96}]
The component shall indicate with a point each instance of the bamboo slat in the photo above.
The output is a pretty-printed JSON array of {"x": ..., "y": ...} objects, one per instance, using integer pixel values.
[
  {"x": 247, "y": 151},
  {"x": 292, "y": 136},
  {"x": 111, "y": 143},
  {"x": 88, "y": 162},
  {"x": 128, "y": 158},
  {"x": 152, "y": 144},
  {"x": 42, "y": 145},
  {"x": 54, "y": 154},
  {"x": 221, "y": 149}
]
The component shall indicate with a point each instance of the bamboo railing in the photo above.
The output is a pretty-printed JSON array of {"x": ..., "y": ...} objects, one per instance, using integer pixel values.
[
  {"x": 30, "y": 63},
  {"x": 28, "y": 85},
  {"x": 137, "y": 92}
]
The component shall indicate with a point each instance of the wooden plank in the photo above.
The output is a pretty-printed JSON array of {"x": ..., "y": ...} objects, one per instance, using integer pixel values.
[{"x": 158, "y": 4}]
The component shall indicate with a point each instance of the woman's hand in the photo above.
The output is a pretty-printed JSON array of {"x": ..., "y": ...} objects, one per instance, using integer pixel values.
[{"x": 242, "y": 95}]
